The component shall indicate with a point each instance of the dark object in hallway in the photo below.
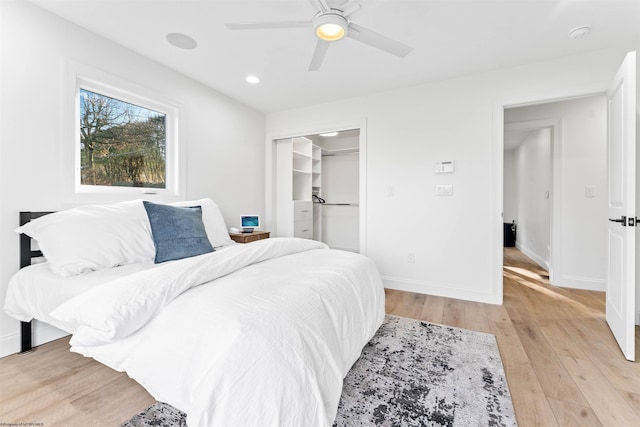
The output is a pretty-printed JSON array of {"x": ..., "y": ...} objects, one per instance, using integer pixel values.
[{"x": 509, "y": 234}]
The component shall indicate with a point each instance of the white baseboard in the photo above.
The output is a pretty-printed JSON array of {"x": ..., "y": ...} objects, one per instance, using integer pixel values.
[
  {"x": 564, "y": 281},
  {"x": 41, "y": 333},
  {"x": 9, "y": 344},
  {"x": 584, "y": 283},
  {"x": 437, "y": 289},
  {"x": 533, "y": 256}
]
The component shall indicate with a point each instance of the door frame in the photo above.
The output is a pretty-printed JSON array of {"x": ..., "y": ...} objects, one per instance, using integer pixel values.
[
  {"x": 497, "y": 168},
  {"x": 270, "y": 170}
]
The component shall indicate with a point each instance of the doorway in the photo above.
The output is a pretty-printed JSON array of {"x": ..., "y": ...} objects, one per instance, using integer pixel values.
[{"x": 555, "y": 186}]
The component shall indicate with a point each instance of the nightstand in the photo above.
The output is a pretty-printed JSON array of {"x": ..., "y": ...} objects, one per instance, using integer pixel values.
[{"x": 249, "y": 237}]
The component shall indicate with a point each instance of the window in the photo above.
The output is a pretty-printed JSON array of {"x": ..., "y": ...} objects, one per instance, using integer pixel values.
[
  {"x": 125, "y": 143},
  {"x": 121, "y": 144}
]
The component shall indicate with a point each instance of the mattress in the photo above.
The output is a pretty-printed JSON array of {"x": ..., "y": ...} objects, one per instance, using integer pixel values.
[{"x": 35, "y": 291}]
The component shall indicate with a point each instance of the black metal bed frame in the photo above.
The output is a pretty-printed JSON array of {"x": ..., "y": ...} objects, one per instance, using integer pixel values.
[{"x": 26, "y": 255}]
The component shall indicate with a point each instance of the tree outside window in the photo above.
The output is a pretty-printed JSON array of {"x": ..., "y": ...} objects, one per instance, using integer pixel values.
[{"x": 121, "y": 144}]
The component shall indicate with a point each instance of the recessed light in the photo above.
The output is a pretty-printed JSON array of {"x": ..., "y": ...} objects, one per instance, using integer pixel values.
[
  {"x": 181, "y": 41},
  {"x": 329, "y": 134},
  {"x": 254, "y": 80},
  {"x": 579, "y": 32}
]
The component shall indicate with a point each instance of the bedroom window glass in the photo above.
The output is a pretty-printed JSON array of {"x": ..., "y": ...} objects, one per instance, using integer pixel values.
[
  {"x": 121, "y": 144},
  {"x": 124, "y": 143}
]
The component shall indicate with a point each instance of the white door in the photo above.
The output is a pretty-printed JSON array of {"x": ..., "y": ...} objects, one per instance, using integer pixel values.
[{"x": 621, "y": 153}]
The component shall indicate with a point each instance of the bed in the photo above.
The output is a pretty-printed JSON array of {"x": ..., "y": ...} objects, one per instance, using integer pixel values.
[{"x": 255, "y": 334}]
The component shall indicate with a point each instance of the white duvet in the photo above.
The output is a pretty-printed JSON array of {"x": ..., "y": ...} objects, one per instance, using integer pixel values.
[{"x": 255, "y": 335}]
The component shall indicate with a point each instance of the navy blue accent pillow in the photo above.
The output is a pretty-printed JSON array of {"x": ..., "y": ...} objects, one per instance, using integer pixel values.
[{"x": 178, "y": 232}]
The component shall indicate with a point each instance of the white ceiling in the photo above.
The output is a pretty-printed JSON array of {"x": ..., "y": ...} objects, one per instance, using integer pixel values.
[{"x": 450, "y": 38}]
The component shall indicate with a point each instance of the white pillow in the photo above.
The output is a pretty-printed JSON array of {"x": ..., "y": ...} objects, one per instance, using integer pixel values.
[
  {"x": 91, "y": 237},
  {"x": 213, "y": 221}
]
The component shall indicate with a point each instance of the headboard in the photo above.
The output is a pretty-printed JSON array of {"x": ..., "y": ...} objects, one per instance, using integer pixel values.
[{"x": 26, "y": 255}]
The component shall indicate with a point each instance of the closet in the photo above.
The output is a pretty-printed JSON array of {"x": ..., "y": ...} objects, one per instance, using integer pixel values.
[{"x": 317, "y": 194}]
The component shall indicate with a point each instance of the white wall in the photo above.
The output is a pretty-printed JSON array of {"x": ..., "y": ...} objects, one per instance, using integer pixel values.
[
  {"x": 457, "y": 240},
  {"x": 224, "y": 139},
  {"x": 532, "y": 167},
  {"x": 580, "y": 256},
  {"x": 340, "y": 178}
]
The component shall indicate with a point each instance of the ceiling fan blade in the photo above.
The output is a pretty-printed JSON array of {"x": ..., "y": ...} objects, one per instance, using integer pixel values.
[
  {"x": 324, "y": 5},
  {"x": 268, "y": 25},
  {"x": 350, "y": 7},
  {"x": 367, "y": 36},
  {"x": 319, "y": 5},
  {"x": 318, "y": 55}
]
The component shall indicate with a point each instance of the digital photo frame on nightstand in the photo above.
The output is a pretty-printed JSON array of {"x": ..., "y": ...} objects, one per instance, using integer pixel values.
[{"x": 249, "y": 223}]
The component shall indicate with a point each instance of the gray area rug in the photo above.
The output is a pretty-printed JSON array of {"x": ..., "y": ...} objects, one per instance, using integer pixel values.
[{"x": 411, "y": 373}]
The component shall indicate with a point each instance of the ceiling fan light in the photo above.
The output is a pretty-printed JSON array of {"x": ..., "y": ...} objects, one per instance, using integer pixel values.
[
  {"x": 330, "y": 26},
  {"x": 330, "y": 32}
]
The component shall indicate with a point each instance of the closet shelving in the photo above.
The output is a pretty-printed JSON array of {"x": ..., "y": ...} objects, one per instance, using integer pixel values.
[
  {"x": 298, "y": 167},
  {"x": 346, "y": 150},
  {"x": 316, "y": 189},
  {"x": 316, "y": 168},
  {"x": 301, "y": 168}
]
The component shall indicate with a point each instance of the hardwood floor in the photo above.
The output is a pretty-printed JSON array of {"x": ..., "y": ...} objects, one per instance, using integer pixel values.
[
  {"x": 55, "y": 387},
  {"x": 562, "y": 363}
]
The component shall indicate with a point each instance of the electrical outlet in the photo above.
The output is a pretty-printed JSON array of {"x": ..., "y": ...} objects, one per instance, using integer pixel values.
[
  {"x": 444, "y": 189},
  {"x": 411, "y": 258},
  {"x": 590, "y": 191}
]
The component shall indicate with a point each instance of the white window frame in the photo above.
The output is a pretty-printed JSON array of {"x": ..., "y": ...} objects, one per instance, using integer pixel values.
[{"x": 85, "y": 77}]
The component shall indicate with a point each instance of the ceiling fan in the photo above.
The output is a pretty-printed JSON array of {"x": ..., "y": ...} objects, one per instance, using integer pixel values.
[{"x": 332, "y": 24}]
